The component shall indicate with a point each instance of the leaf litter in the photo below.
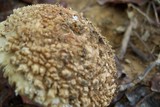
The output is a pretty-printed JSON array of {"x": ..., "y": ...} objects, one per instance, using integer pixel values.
[{"x": 132, "y": 27}]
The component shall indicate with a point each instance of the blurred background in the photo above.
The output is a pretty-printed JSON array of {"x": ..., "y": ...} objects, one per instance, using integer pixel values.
[{"x": 132, "y": 27}]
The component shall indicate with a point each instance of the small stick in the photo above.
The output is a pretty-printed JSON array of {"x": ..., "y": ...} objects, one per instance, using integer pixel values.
[
  {"x": 145, "y": 15},
  {"x": 126, "y": 39},
  {"x": 140, "y": 77},
  {"x": 141, "y": 101},
  {"x": 138, "y": 52},
  {"x": 155, "y": 12},
  {"x": 148, "y": 69},
  {"x": 145, "y": 45},
  {"x": 148, "y": 8}
]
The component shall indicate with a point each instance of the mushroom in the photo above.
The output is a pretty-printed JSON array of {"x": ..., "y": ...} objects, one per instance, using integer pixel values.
[{"x": 57, "y": 58}]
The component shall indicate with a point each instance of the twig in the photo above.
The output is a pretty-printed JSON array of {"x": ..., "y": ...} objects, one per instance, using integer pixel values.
[
  {"x": 148, "y": 69},
  {"x": 153, "y": 49},
  {"x": 126, "y": 39},
  {"x": 145, "y": 45},
  {"x": 142, "y": 55},
  {"x": 147, "y": 96},
  {"x": 140, "y": 77},
  {"x": 145, "y": 15},
  {"x": 155, "y": 12},
  {"x": 148, "y": 8}
]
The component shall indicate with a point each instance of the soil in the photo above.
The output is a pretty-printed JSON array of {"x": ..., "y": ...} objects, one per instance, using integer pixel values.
[
  {"x": 112, "y": 20},
  {"x": 108, "y": 18}
]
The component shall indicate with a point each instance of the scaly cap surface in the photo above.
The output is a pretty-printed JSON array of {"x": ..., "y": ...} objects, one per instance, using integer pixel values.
[{"x": 57, "y": 58}]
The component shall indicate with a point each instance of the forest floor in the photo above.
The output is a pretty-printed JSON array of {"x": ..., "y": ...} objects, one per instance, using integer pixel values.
[{"x": 131, "y": 29}]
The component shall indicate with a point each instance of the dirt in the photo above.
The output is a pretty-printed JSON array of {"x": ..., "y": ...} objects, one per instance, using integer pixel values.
[{"x": 110, "y": 17}]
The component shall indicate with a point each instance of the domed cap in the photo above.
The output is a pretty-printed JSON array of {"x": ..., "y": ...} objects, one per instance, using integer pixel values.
[{"x": 57, "y": 58}]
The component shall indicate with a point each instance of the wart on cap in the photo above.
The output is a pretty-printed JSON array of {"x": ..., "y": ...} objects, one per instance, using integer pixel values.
[{"x": 57, "y": 58}]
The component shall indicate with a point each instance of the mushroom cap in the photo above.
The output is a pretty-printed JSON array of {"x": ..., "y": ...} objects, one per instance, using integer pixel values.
[{"x": 57, "y": 58}]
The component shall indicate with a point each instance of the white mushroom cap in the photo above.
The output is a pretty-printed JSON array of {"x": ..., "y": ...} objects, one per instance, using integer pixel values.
[{"x": 57, "y": 58}]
